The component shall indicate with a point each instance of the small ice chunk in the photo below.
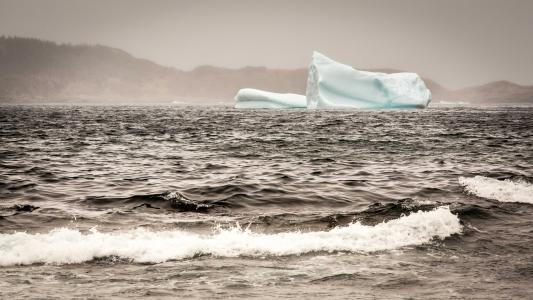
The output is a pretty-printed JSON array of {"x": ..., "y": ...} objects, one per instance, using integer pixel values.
[
  {"x": 252, "y": 98},
  {"x": 334, "y": 85}
]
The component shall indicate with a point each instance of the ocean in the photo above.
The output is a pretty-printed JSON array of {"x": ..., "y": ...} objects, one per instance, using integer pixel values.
[{"x": 162, "y": 202}]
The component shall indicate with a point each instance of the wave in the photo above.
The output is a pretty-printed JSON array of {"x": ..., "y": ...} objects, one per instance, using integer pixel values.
[
  {"x": 64, "y": 246},
  {"x": 501, "y": 190},
  {"x": 169, "y": 200}
]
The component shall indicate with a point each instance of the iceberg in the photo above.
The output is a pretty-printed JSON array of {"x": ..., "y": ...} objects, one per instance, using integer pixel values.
[
  {"x": 334, "y": 85},
  {"x": 252, "y": 98},
  {"x": 331, "y": 84}
]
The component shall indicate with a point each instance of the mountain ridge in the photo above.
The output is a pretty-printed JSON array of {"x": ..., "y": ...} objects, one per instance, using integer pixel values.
[{"x": 36, "y": 71}]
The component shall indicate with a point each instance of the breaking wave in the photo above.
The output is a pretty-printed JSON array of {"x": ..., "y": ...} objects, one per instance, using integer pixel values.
[
  {"x": 64, "y": 246},
  {"x": 501, "y": 190}
]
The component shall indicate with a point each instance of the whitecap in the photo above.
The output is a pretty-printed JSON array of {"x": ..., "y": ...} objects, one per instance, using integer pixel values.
[
  {"x": 501, "y": 190},
  {"x": 64, "y": 246}
]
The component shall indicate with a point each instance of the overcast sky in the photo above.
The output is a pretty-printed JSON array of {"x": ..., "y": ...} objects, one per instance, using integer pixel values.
[{"x": 457, "y": 43}]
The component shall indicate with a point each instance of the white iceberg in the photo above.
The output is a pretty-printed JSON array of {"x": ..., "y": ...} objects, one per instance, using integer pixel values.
[
  {"x": 252, "y": 98},
  {"x": 334, "y": 85}
]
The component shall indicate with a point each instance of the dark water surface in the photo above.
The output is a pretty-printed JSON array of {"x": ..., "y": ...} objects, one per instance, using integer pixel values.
[{"x": 120, "y": 202}]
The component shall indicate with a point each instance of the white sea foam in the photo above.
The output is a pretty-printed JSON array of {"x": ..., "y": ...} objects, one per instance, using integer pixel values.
[
  {"x": 501, "y": 190},
  {"x": 62, "y": 246}
]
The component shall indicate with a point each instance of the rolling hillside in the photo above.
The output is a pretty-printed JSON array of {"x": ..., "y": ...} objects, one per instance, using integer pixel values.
[{"x": 36, "y": 71}]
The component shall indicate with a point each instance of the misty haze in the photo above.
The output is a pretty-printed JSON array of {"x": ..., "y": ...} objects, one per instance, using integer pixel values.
[{"x": 266, "y": 149}]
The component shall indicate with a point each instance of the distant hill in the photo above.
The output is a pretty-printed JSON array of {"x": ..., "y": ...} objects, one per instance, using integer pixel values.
[
  {"x": 494, "y": 93},
  {"x": 36, "y": 71},
  {"x": 33, "y": 70}
]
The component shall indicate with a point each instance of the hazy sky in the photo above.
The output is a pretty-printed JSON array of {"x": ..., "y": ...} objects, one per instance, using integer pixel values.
[{"x": 456, "y": 42}]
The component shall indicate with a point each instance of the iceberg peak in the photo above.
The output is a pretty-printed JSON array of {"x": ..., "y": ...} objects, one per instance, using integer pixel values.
[
  {"x": 331, "y": 84},
  {"x": 319, "y": 57}
]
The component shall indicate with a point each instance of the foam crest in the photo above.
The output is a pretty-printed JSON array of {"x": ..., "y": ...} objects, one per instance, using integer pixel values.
[
  {"x": 501, "y": 190},
  {"x": 64, "y": 246}
]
